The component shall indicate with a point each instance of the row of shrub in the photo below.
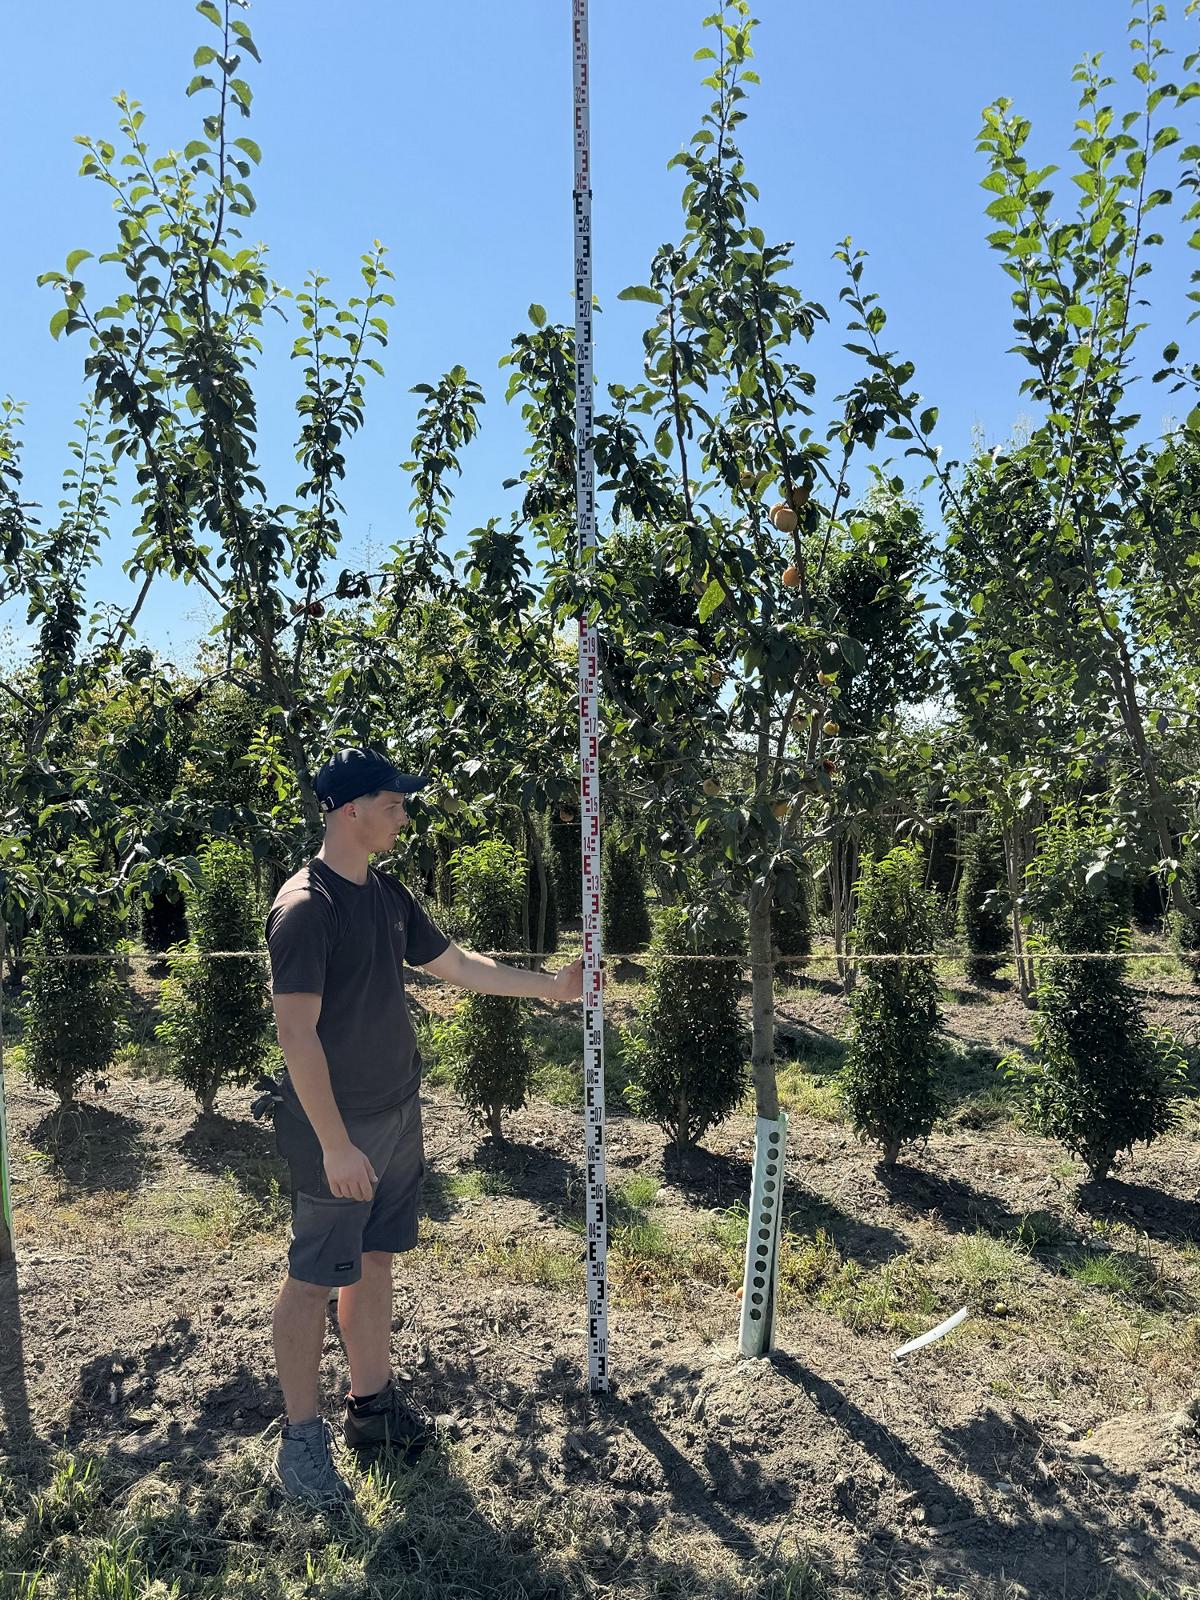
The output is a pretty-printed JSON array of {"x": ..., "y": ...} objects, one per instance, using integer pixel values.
[{"x": 1099, "y": 1079}]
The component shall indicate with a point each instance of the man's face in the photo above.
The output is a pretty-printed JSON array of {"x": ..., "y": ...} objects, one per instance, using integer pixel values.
[{"x": 381, "y": 818}]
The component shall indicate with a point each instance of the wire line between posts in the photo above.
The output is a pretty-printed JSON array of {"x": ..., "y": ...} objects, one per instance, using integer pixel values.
[{"x": 644, "y": 957}]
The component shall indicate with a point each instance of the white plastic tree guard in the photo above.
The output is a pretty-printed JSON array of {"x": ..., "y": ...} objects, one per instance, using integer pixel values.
[{"x": 759, "y": 1285}]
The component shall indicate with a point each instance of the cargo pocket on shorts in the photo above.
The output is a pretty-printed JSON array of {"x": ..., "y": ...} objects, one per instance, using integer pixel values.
[{"x": 327, "y": 1238}]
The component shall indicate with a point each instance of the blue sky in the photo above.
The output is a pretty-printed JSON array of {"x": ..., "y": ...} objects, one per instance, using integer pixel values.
[{"x": 445, "y": 131}]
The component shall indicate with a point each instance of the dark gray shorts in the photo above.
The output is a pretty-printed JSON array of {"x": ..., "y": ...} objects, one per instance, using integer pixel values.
[{"x": 329, "y": 1234}]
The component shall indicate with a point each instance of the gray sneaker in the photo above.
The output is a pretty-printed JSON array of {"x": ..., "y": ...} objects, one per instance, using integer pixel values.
[{"x": 304, "y": 1468}]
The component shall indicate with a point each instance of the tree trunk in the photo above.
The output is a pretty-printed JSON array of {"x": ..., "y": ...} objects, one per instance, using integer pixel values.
[
  {"x": 539, "y": 862},
  {"x": 495, "y": 1127},
  {"x": 6, "y": 1244},
  {"x": 762, "y": 1060},
  {"x": 843, "y": 870},
  {"x": 1163, "y": 815},
  {"x": 1013, "y": 836}
]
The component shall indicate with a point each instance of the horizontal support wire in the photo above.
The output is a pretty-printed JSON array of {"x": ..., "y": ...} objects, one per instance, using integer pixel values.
[{"x": 645, "y": 957}]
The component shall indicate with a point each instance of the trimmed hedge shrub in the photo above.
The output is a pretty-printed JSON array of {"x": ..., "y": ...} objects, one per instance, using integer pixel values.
[
  {"x": 687, "y": 1050},
  {"x": 984, "y": 906},
  {"x": 216, "y": 1014},
  {"x": 73, "y": 1010},
  {"x": 564, "y": 863},
  {"x": 483, "y": 1043},
  {"x": 163, "y": 922},
  {"x": 889, "y": 1080},
  {"x": 1100, "y": 1079},
  {"x": 791, "y": 927},
  {"x": 625, "y": 917}
]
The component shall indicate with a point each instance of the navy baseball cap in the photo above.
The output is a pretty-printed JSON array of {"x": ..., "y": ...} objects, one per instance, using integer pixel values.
[{"x": 349, "y": 774}]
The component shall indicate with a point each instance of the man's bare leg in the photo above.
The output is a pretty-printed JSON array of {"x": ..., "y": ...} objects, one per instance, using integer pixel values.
[
  {"x": 298, "y": 1325},
  {"x": 365, "y": 1320}
]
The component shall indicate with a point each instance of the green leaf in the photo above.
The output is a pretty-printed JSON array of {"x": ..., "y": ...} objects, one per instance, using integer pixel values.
[
  {"x": 59, "y": 321},
  {"x": 1079, "y": 316},
  {"x": 206, "y": 8},
  {"x": 537, "y": 315},
  {"x": 710, "y": 600},
  {"x": 75, "y": 258},
  {"x": 251, "y": 149},
  {"x": 641, "y": 291}
]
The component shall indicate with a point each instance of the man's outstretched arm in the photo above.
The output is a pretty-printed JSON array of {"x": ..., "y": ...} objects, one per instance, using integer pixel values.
[{"x": 466, "y": 970}]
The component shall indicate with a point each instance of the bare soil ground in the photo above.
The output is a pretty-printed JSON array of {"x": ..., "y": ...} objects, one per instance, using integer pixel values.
[{"x": 1050, "y": 1447}]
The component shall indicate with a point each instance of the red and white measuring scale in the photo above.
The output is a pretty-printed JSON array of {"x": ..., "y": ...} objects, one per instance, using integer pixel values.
[{"x": 589, "y": 733}]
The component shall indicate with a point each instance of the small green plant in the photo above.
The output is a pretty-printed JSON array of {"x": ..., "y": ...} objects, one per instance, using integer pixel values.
[
  {"x": 1100, "y": 1079},
  {"x": 74, "y": 1007},
  {"x": 624, "y": 913},
  {"x": 983, "y": 906},
  {"x": 889, "y": 1080},
  {"x": 215, "y": 1011},
  {"x": 687, "y": 1052},
  {"x": 483, "y": 1043}
]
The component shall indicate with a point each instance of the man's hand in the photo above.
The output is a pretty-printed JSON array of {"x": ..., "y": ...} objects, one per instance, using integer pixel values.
[
  {"x": 350, "y": 1175},
  {"x": 568, "y": 982}
]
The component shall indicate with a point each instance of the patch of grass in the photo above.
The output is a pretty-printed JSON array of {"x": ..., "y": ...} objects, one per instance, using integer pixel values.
[
  {"x": 1039, "y": 1228},
  {"x": 804, "y": 1094},
  {"x": 634, "y": 1193},
  {"x": 806, "y": 1266},
  {"x": 977, "y": 1268},
  {"x": 557, "y": 1050},
  {"x": 977, "y": 1095},
  {"x": 213, "y": 1215},
  {"x": 475, "y": 1184},
  {"x": 537, "y": 1260},
  {"x": 1140, "y": 1279},
  {"x": 143, "y": 1058},
  {"x": 897, "y": 1297}
]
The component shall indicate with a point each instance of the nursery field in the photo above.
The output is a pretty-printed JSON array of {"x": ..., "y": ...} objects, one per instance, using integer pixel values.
[{"x": 1049, "y": 1447}]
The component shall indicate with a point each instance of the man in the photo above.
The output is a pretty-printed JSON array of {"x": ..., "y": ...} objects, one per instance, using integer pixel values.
[{"x": 347, "y": 1110}]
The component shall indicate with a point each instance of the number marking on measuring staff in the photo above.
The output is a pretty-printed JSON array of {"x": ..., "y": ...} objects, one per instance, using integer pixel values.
[{"x": 589, "y": 733}]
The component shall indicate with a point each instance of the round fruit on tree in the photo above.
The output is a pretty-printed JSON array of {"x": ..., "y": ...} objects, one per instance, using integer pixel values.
[
  {"x": 791, "y": 576},
  {"x": 801, "y": 494},
  {"x": 784, "y": 518},
  {"x": 832, "y": 728}
]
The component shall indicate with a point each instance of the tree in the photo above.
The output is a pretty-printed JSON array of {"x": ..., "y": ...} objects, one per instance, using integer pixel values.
[
  {"x": 686, "y": 1051},
  {"x": 216, "y": 1015},
  {"x": 1099, "y": 1079},
  {"x": 74, "y": 1006},
  {"x": 483, "y": 1042},
  {"x": 1092, "y": 507},
  {"x": 983, "y": 909},
  {"x": 626, "y": 919},
  {"x": 170, "y": 360},
  {"x": 889, "y": 1080}
]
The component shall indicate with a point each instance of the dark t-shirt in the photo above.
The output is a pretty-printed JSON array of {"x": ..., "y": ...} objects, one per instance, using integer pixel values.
[{"x": 348, "y": 942}]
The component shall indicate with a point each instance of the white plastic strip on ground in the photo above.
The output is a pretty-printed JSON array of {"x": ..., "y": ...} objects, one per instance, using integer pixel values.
[
  {"x": 589, "y": 733},
  {"x": 939, "y": 1332}
]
